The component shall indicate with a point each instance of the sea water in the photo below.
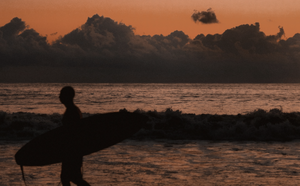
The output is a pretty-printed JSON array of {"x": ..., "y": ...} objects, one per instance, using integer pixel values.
[
  {"x": 188, "y": 98},
  {"x": 197, "y": 134}
]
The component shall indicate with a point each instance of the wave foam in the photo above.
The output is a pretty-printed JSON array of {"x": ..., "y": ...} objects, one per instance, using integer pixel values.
[{"x": 259, "y": 125}]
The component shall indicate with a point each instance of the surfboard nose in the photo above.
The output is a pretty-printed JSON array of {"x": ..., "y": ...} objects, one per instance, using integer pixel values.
[{"x": 18, "y": 158}]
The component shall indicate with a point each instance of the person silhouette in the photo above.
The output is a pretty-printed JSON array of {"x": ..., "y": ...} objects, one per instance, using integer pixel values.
[{"x": 71, "y": 166}]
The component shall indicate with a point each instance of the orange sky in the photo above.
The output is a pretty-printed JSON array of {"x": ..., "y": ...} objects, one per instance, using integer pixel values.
[{"x": 155, "y": 16}]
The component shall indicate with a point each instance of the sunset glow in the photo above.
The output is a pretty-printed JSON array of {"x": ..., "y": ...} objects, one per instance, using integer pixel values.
[{"x": 57, "y": 18}]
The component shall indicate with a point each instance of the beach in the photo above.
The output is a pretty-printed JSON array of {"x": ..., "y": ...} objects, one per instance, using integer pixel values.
[{"x": 171, "y": 162}]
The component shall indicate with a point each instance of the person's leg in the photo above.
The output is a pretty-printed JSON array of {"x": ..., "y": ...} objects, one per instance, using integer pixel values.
[
  {"x": 65, "y": 173},
  {"x": 77, "y": 174},
  {"x": 65, "y": 181},
  {"x": 78, "y": 179},
  {"x": 80, "y": 182}
]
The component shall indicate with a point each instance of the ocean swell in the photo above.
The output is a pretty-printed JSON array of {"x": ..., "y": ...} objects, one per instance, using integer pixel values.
[{"x": 259, "y": 125}]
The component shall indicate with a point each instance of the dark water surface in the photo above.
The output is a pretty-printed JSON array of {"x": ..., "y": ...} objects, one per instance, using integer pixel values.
[{"x": 188, "y": 98}]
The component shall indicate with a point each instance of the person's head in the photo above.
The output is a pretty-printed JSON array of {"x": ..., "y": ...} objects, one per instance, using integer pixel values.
[{"x": 67, "y": 95}]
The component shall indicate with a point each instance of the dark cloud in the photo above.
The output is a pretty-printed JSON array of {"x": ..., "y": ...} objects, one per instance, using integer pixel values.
[
  {"x": 103, "y": 50},
  {"x": 53, "y": 34},
  {"x": 206, "y": 17},
  {"x": 99, "y": 33},
  {"x": 278, "y": 36},
  {"x": 12, "y": 29},
  {"x": 247, "y": 54},
  {"x": 240, "y": 40},
  {"x": 20, "y": 45}
]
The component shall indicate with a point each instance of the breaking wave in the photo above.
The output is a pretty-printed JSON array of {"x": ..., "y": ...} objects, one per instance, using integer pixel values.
[{"x": 259, "y": 125}]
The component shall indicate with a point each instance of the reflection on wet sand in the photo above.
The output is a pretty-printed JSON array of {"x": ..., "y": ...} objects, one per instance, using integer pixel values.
[{"x": 171, "y": 163}]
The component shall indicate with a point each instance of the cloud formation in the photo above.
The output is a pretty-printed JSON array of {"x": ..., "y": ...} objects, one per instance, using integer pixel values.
[
  {"x": 103, "y": 50},
  {"x": 20, "y": 45},
  {"x": 206, "y": 17},
  {"x": 12, "y": 29}
]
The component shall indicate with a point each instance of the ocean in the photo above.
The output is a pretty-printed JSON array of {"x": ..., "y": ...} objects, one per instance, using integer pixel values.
[
  {"x": 188, "y": 98},
  {"x": 197, "y": 134}
]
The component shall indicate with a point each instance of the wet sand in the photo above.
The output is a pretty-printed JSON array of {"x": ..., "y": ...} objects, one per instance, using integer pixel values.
[{"x": 168, "y": 162}]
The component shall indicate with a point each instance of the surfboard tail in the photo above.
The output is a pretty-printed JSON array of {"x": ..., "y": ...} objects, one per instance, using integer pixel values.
[{"x": 23, "y": 175}]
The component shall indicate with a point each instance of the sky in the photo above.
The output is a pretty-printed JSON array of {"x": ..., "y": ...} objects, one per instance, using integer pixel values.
[
  {"x": 58, "y": 17},
  {"x": 226, "y": 41}
]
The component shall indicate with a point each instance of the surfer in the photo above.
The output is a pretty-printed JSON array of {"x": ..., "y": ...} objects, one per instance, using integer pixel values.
[{"x": 71, "y": 167}]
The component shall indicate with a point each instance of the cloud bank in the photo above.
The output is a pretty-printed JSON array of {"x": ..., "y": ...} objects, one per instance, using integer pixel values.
[{"x": 103, "y": 50}]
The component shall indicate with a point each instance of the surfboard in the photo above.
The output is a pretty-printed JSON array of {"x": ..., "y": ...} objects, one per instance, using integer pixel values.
[{"x": 89, "y": 135}]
